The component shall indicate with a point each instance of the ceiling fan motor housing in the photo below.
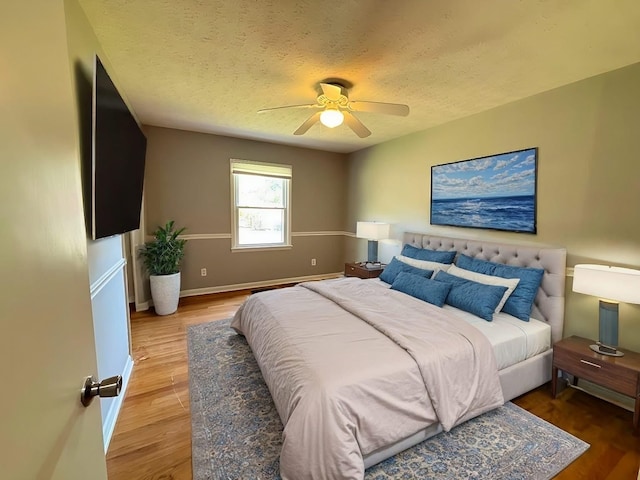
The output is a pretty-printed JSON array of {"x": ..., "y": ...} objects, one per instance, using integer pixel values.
[{"x": 331, "y": 97}]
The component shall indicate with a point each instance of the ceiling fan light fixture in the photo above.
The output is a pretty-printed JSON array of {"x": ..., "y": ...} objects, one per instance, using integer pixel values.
[{"x": 331, "y": 117}]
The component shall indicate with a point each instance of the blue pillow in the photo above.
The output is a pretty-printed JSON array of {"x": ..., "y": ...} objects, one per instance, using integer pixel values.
[
  {"x": 472, "y": 297},
  {"x": 426, "y": 254},
  {"x": 422, "y": 288},
  {"x": 392, "y": 270},
  {"x": 520, "y": 302}
]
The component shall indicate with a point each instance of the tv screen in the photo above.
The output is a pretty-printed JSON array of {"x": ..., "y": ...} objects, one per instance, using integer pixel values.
[{"x": 118, "y": 157}]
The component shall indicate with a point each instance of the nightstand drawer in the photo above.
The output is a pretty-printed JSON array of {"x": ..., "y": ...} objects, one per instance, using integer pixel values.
[
  {"x": 357, "y": 270},
  {"x": 351, "y": 270},
  {"x": 615, "y": 377}
]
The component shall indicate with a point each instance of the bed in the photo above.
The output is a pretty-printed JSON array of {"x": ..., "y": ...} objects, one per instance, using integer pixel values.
[{"x": 359, "y": 371}]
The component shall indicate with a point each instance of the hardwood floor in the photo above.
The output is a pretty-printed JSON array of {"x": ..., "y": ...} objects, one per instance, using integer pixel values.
[{"x": 152, "y": 439}]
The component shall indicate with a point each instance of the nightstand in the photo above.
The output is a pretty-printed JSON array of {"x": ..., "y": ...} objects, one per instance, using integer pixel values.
[
  {"x": 620, "y": 374},
  {"x": 360, "y": 271}
]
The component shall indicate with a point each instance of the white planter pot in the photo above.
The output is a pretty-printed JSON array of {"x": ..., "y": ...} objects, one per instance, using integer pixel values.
[{"x": 165, "y": 291}]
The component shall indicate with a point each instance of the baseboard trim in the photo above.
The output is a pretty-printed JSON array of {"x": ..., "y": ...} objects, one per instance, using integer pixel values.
[
  {"x": 263, "y": 283},
  {"x": 112, "y": 416},
  {"x": 244, "y": 286},
  {"x": 142, "y": 306}
]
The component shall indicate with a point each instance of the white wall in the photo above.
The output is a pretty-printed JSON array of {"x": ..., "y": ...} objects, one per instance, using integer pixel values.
[{"x": 109, "y": 305}]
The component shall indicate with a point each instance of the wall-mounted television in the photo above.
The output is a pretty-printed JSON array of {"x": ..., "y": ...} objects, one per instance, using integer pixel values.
[{"x": 118, "y": 149}]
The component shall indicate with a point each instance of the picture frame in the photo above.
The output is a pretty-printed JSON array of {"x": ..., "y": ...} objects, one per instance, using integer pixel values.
[{"x": 495, "y": 192}]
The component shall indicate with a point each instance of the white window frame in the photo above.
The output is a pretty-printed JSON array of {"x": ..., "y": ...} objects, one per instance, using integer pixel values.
[{"x": 266, "y": 170}]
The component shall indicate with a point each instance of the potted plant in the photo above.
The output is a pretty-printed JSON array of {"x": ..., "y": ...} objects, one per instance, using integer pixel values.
[{"x": 161, "y": 258}]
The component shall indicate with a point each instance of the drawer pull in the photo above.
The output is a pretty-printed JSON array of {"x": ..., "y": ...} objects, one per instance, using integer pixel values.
[{"x": 591, "y": 363}]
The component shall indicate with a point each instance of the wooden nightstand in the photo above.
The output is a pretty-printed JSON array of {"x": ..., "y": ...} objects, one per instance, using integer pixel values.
[
  {"x": 620, "y": 374},
  {"x": 357, "y": 270}
]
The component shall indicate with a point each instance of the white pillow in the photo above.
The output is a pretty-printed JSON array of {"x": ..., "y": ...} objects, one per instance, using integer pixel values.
[
  {"x": 424, "y": 264},
  {"x": 510, "y": 283}
]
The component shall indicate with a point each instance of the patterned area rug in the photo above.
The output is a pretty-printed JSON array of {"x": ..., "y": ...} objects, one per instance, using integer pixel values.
[{"x": 236, "y": 430}]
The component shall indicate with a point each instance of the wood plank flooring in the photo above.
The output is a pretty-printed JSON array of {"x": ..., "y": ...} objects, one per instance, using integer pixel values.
[{"x": 152, "y": 439}]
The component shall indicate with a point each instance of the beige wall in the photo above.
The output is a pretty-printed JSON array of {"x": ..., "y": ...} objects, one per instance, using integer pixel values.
[
  {"x": 588, "y": 179},
  {"x": 187, "y": 179}
]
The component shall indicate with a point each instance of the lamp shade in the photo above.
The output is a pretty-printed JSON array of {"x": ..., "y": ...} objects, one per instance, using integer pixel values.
[
  {"x": 609, "y": 283},
  {"x": 372, "y": 230}
]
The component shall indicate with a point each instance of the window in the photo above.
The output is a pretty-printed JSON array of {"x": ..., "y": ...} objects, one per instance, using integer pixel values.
[{"x": 260, "y": 204}]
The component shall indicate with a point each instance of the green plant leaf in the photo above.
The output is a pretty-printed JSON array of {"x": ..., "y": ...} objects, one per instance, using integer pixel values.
[{"x": 162, "y": 255}]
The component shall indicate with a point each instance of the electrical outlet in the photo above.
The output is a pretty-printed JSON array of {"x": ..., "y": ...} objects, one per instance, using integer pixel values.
[
  {"x": 313, "y": 262},
  {"x": 203, "y": 272}
]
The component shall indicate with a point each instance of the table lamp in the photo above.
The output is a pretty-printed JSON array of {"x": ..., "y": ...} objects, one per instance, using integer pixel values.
[
  {"x": 611, "y": 285},
  {"x": 372, "y": 231}
]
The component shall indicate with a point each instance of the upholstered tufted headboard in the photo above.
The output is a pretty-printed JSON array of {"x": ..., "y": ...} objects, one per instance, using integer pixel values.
[{"x": 549, "y": 303}]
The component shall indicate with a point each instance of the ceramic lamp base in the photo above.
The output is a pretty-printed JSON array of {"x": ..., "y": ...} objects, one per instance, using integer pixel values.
[{"x": 372, "y": 251}]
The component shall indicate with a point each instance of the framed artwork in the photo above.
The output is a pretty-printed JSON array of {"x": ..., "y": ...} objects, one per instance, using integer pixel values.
[{"x": 497, "y": 192}]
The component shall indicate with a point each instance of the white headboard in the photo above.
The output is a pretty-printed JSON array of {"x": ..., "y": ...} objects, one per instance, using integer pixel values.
[{"x": 549, "y": 303}]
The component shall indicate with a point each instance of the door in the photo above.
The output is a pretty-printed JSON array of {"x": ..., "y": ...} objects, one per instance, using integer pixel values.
[{"x": 46, "y": 337}]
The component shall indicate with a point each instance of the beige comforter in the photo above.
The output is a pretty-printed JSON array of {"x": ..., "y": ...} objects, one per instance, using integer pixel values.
[{"x": 353, "y": 367}]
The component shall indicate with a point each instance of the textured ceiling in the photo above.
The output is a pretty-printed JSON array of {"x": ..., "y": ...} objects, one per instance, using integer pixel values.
[{"x": 210, "y": 65}]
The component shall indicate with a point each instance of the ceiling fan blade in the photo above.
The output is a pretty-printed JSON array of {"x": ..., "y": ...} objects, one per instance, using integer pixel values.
[
  {"x": 309, "y": 122},
  {"x": 356, "y": 125},
  {"x": 379, "y": 107},
  {"x": 311, "y": 105},
  {"x": 332, "y": 92}
]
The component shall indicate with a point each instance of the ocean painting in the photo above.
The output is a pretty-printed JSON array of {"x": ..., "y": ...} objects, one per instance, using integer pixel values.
[{"x": 496, "y": 192}]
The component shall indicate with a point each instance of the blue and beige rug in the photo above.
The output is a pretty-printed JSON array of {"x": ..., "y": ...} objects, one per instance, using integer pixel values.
[{"x": 236, "y": 430}]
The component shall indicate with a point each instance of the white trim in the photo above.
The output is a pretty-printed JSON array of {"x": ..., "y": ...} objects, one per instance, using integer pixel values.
[
  {"x": 261, "y": 169},
  {"x": 109, "y": 424},
  {"x": 142, "y": 306},
  {"x": 136, "y": 242},
  {"x": 327, "y": 233},
  {"x": 205, "y": 236},
  {"x": 263, "y": 283},
  {"x": 106, "y": 277},
  {"x": 222, "y": 236},
  {"x": 261, "y": 248},
  {"x": 232, "y": 202}
]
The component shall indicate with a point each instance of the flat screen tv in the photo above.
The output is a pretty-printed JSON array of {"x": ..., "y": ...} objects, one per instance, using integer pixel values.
[{"x": 118, "y": 149}]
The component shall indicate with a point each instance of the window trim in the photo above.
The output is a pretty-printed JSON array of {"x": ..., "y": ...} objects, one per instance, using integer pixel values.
[{"x": 250, "y": 167}]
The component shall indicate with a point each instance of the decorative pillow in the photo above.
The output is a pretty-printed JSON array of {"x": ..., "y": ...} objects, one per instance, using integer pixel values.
[
  {"x": 426, "y": 254},
  {"x": 472, "y": 297},
  {"x": 424, "y": 264},
  {"x": 392, "y": 270},
  {"x": 422, "y": 288},
  {"x": 520, "y": 302},
  {"x": 510, "y": 283}
]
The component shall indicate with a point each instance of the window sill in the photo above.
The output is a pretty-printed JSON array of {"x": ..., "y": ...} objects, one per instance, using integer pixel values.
[{"x": 261, "y": 248}]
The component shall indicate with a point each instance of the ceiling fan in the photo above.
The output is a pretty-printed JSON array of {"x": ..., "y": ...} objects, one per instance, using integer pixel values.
[{"x": 334, "y": 107}]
